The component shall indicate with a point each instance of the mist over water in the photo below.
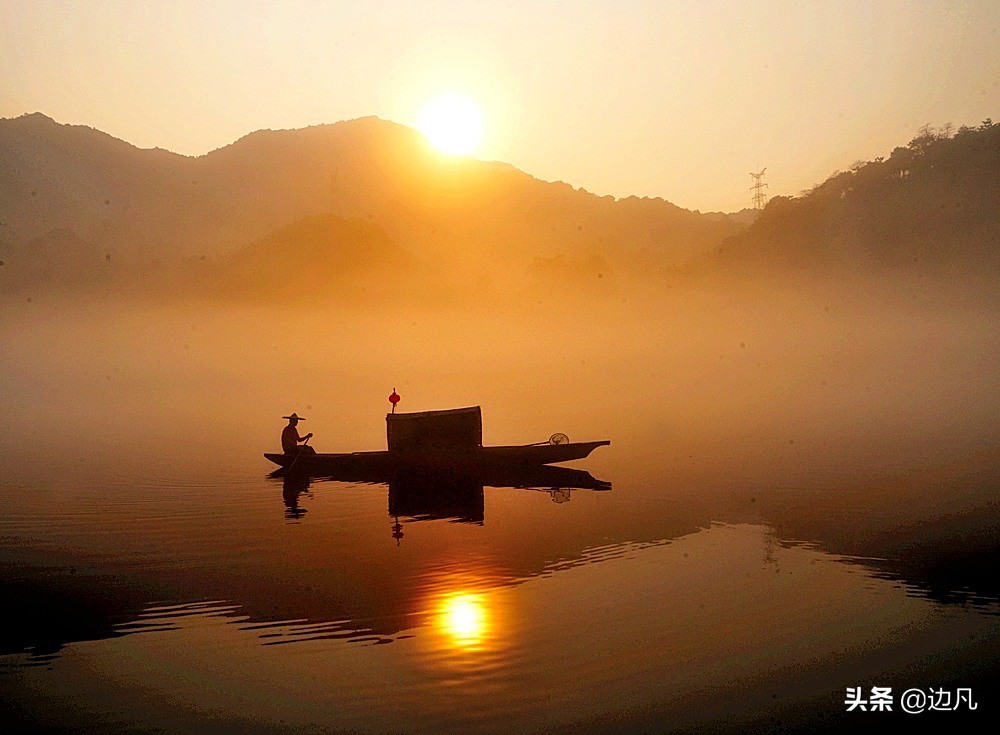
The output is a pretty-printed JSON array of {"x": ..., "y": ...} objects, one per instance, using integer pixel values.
[{"x": 809, "y": 386}]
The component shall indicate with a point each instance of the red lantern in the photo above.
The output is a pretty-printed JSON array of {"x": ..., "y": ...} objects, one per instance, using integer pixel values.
[{"x": 394, "y": 398}]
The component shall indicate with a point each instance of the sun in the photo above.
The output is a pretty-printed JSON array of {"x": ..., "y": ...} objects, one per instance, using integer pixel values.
[{"x": 453, "y": 124}]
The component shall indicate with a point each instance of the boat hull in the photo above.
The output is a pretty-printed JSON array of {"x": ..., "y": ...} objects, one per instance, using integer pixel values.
[{"x": 472, "y": 459}]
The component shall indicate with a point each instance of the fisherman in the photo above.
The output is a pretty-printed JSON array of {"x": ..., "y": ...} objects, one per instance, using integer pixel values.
[{"x": 290, "y": 437}]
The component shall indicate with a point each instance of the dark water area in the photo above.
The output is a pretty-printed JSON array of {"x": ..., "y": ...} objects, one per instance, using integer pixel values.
[{"x": 795, "y": 501}]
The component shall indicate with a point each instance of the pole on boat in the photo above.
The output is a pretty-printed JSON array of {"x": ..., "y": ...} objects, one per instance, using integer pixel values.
[
  {"x": 394, "y": 399},
  {"x": 298, "y": 455}
]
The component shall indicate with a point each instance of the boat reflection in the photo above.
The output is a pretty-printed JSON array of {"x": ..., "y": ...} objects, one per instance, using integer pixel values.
[
  {"x": 427, "y": 497},
  {"x": 424, "y": 495}
]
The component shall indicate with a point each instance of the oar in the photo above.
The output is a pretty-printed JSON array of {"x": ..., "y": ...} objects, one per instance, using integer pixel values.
[{"x": 299, "y": 454}]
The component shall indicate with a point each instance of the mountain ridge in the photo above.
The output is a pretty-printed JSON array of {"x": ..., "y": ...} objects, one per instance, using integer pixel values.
[{"x": 150, "y": 204}]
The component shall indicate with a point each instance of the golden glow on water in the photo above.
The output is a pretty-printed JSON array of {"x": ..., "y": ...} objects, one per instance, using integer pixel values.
[
  {"x": 463, "y": 618},
  {"x": 469, "y": 623}
]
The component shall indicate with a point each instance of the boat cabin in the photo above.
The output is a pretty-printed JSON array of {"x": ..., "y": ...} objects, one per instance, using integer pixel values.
[{"x": 435, "y": 432}]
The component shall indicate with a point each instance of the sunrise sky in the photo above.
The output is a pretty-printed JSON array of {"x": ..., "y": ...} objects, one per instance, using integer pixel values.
[{"x": 672, "y": 99}]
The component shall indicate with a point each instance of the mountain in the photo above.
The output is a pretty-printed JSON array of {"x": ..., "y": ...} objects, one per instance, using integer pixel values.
[
  {"x": 317, "y": 255},
  {"x": 932, "y": 207},
  {"x": 62, "y": 177},
  {"x": 58, "y": 256},
  {"x": 146, "y": 205}
]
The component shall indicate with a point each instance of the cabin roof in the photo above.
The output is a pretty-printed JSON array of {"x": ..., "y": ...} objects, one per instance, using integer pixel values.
[{"x": 470, "y": 410}]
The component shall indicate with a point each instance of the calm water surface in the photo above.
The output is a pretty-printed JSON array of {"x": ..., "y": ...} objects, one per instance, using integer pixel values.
[
  {"x": 148, "y": 586},
  {"x": 194, "y": 601}
]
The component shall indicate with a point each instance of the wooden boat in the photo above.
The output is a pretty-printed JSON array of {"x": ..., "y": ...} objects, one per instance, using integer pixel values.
[
  {"x": 443, "y": 440},
  {"x": 529, "y": 455}
]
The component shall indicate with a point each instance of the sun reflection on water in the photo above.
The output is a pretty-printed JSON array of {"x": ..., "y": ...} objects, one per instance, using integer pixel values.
[
  {"x": 467, "y": 622},
  {"x": 463, "y": 617}
]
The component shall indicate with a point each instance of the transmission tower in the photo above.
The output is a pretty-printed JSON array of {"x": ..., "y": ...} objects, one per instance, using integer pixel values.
[{"x": 759, "y": 197}]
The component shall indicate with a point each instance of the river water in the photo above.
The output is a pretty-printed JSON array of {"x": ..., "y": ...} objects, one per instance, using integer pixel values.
[{"x": 789, "y": 515}]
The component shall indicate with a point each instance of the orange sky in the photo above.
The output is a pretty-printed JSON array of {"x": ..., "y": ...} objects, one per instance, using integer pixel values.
[{"x": 673, "y": 99}]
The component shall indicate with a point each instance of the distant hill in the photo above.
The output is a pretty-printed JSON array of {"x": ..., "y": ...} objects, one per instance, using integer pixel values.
[
  {"x": 932, "y": 206},
  {"x": 57, "y": 256},
  {"x": 152, "y": 205},
  {"x": 315, "y": 256},
  {"x": 744, "y": 216}
]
